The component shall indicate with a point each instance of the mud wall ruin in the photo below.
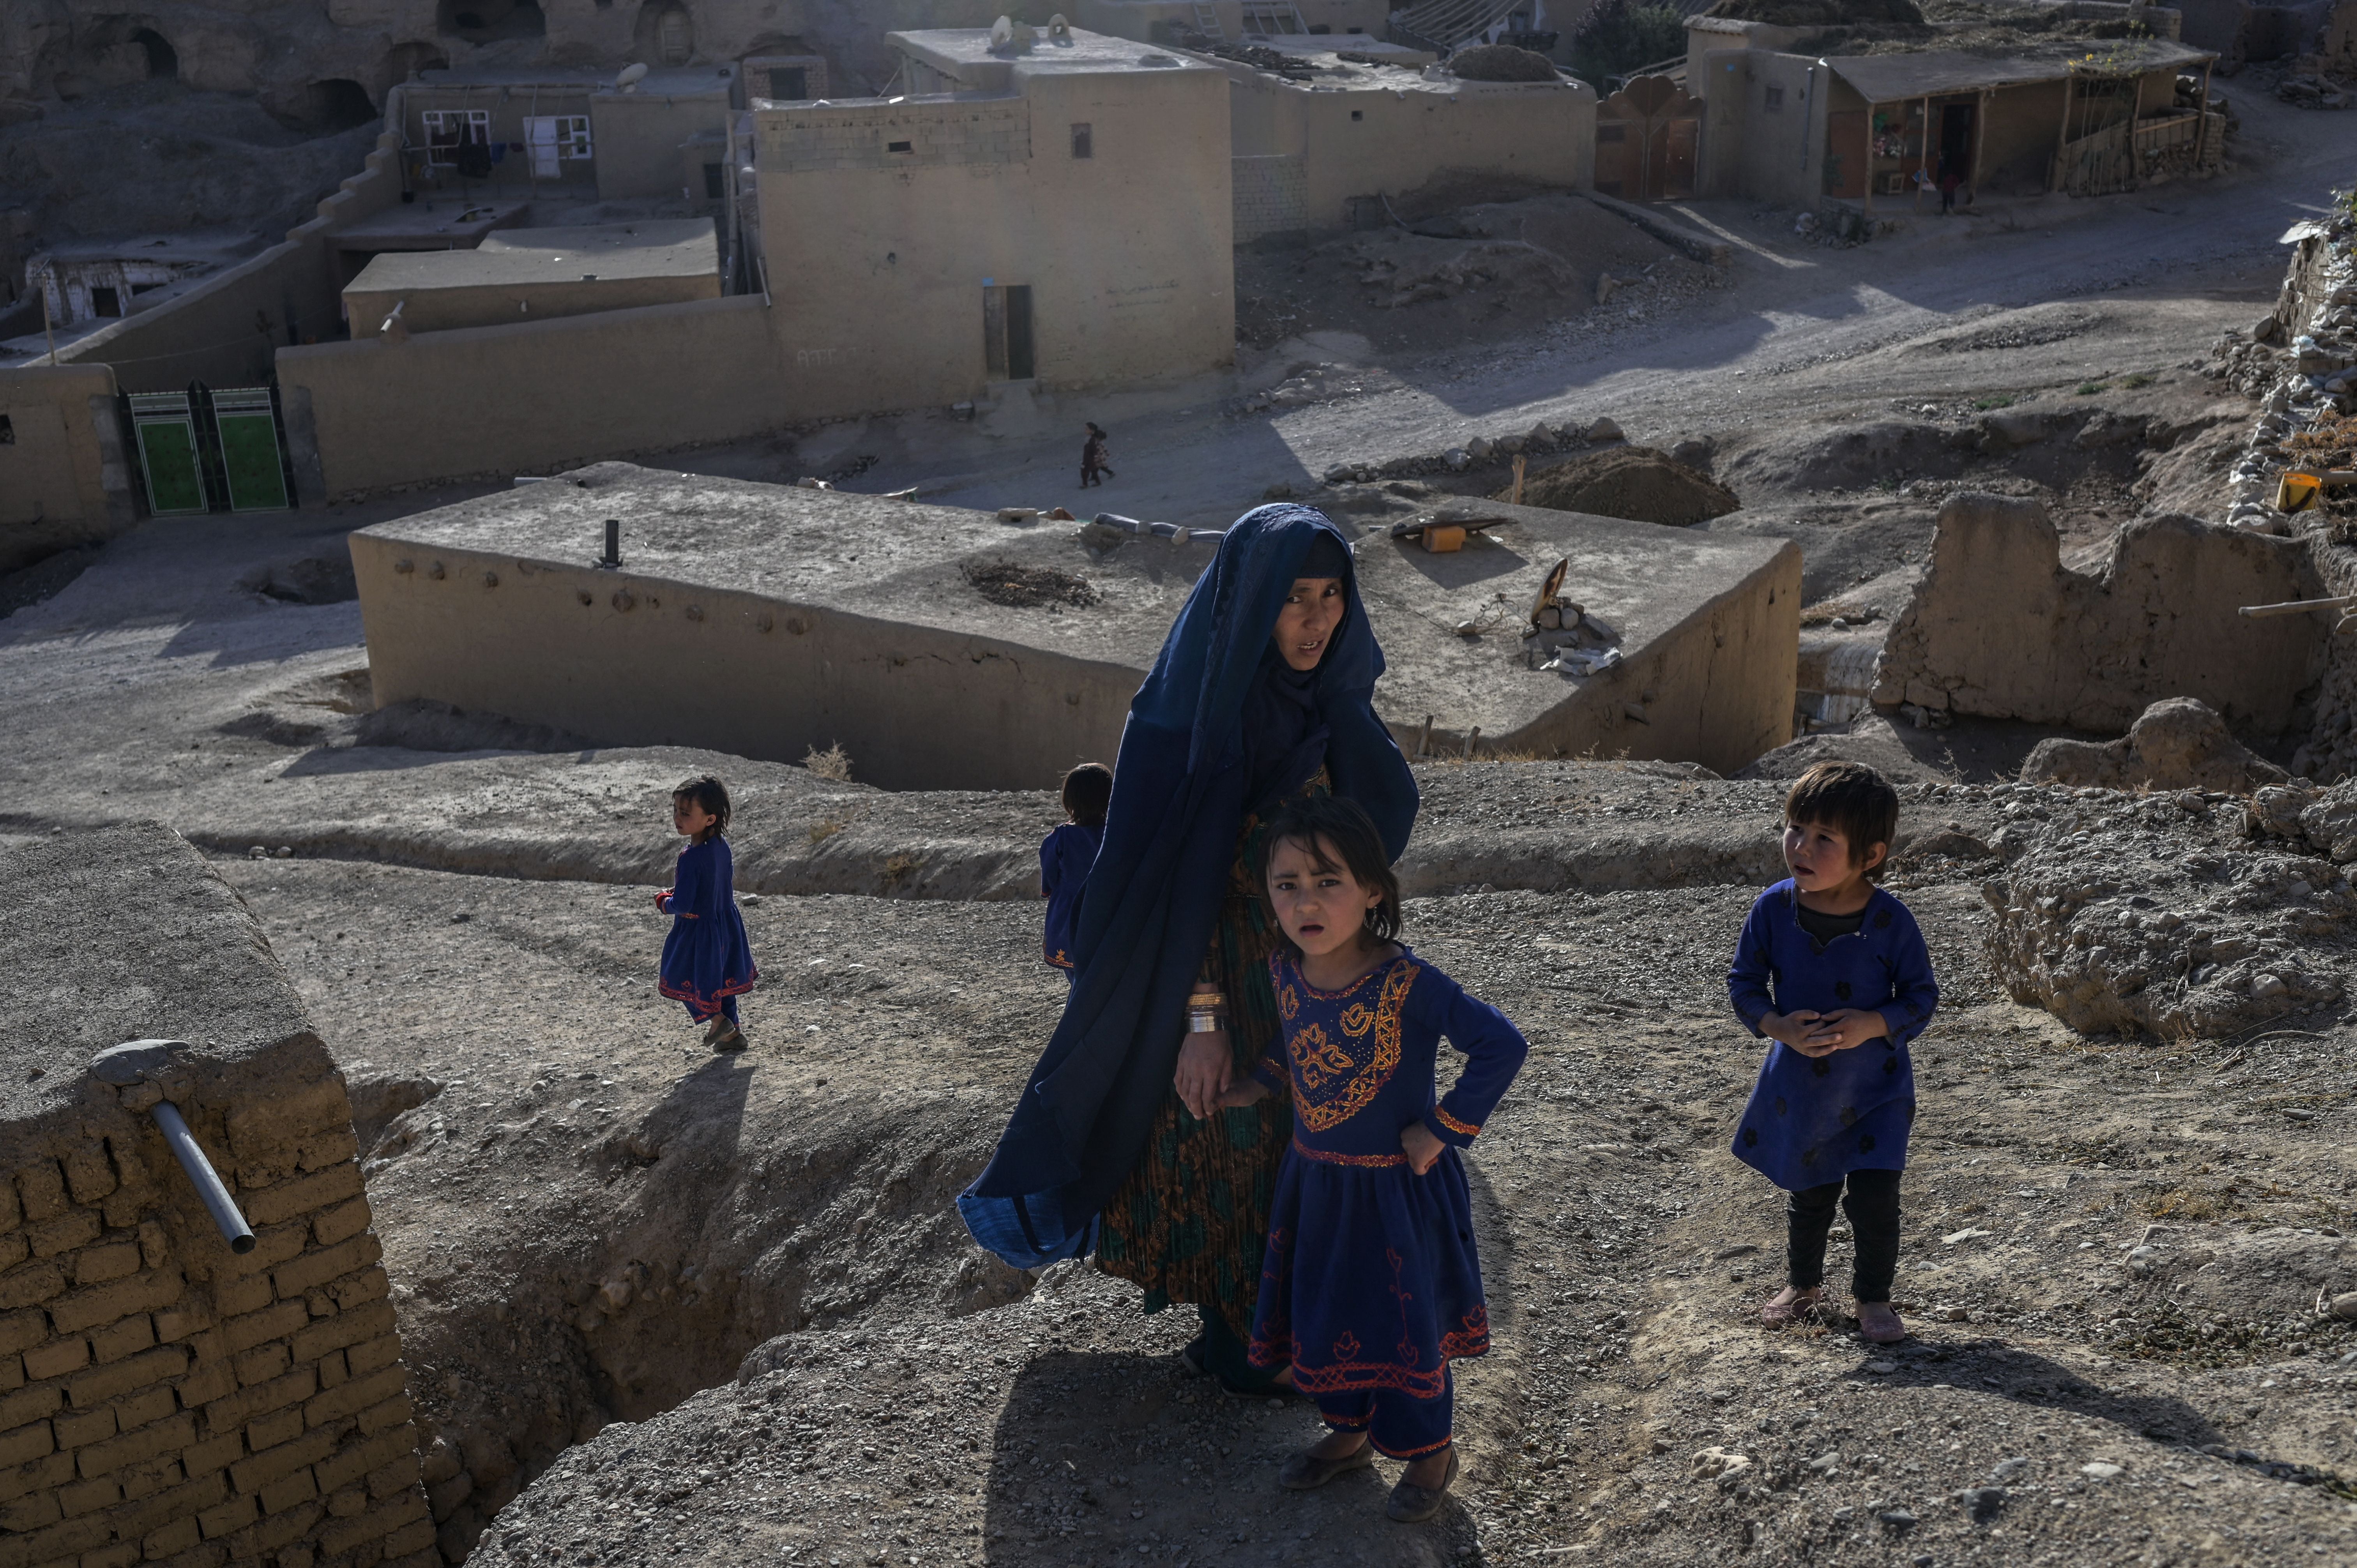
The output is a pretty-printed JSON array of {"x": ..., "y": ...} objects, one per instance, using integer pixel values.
[
  {"x": 162, "y": 1396},
  {"x": 1999, "y": 628},
  {"x": 62, "y": 479}
]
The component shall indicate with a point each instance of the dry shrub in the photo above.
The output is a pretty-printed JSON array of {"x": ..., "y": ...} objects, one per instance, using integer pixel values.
[
  {"x": 834, "y": 763},
  {"x": 826, "y": 828}
]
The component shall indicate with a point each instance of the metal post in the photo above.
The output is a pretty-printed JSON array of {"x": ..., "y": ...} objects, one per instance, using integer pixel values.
[{"x": 613, "y": 556}]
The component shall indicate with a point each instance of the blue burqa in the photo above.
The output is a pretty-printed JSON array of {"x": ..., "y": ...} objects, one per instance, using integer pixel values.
[{"x": 1183, "y": 781}]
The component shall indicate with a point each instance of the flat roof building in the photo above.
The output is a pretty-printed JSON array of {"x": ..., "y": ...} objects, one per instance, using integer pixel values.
[
  {"x": 1051, "y": 211},
  {"x": 943, "y": 648},
  {"x": 519, "y": 274},
  {"x": 1320, "y": 142}
]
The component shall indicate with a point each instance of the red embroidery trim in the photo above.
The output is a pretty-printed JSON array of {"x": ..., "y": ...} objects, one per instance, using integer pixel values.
[{"x": 1440, "y": 1112}]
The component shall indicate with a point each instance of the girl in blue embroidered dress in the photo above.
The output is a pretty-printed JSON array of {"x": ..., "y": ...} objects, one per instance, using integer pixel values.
[
  {"x": 1371, "y": 1285},
  {"x": 1834, "y": 971},
  {"x": 706, "y": 962}
]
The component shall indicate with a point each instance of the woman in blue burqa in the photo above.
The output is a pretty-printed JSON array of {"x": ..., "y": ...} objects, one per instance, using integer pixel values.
[{"x": 1262, "y": 693}]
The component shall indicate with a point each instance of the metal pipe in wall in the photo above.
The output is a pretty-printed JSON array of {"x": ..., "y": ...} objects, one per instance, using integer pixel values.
[{"x": 207, "y": 1181}]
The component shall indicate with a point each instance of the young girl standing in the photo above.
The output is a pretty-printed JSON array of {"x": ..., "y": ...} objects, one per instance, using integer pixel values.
[
  {"x": 706, "y": 962},
  {"x": 1066, "y": 854},
  {"x": 1834, "y": 971},
  {"x": 1372, "y": 1286}
]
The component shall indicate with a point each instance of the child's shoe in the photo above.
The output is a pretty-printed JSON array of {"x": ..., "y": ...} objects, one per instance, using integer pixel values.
[
  {"x": 1878, "y": 1324},
  {"x": 1791, "y": 1306},
  {"x": 1414, "y": 1505},
  {"x": 1307, "y": 1470}
]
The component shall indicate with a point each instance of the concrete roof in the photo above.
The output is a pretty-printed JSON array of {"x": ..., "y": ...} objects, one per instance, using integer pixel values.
[
  {"x": 443, "y": 225},
  {"x": 1892, "y": 77},
  {"x": 121, "y": 933},
  {"x": 666, "y": 82},
  {"x": 1338, "y": 75},
  {"x": 901, "y": 561},
  {"x": 671, "y": 247},
  {"x": 959, "y": 51}
]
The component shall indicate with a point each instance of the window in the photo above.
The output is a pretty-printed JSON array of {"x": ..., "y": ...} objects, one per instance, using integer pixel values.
[
  {"x": 1081, "y": 144},
  {"x": 1357, "y": 113},
  {"x": 552, "y": 137},
  {"x": 7, "y": 432},
  {"x": 899, "y": 147},
  {"x": 1775, "y": 101},
  {"x": 715, "y": 186},
  {"x": 105, "y": 302},
  {"x": 447, "y": 129},
  {"x": 790, "y": 83}
]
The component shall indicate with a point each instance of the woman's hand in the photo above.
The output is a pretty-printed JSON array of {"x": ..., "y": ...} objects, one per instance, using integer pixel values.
[
  {"x": 1420, "y": 1147},
  {"x": 1206, "y": 1069}
]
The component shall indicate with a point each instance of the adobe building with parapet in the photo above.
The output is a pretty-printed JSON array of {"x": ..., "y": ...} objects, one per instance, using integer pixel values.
[
  {"x": 945, "y": 648},
  {"x": 164, "y": 1396}
]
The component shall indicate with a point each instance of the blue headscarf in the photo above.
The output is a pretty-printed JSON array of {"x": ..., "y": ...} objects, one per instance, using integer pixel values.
[{"x": 1220, "y": 726}]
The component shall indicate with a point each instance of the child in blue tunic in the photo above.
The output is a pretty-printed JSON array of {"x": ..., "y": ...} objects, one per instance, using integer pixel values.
[
  {"x": 1372, "y": 1286},
  {"x": 1834, "y": 971},
  {"x": 1066, "y": 854},
  {"x": 706, "y": 962}
]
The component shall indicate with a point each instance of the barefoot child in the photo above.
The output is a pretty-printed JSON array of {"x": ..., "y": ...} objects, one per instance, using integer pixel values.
[
  {"x": 1067, "y": 853},
  {"x": 1834, "y": 971},
  {"x": 1372, "y": 1286},
  {"x": 706, "y": 962}
]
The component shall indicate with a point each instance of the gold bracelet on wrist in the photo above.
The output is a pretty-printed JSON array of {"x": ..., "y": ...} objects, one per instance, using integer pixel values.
[{"x": 1203, "y": 1023}]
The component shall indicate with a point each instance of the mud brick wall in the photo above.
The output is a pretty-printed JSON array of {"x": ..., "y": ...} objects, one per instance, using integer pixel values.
[{"x": 162, "y": 1398}]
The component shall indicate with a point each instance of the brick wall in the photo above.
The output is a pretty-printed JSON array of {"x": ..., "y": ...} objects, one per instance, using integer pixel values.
[
  {"x": 857, "y": 136},
  {"x": 165, "y": 1400},
  {"x": 1272, "y": 195}
]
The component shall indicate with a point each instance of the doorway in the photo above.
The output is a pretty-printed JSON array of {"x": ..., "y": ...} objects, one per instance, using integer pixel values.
[
  {"x": 1007, "y": 332},
  {"x": 790, "y": 83},
  {"x": 1955, "y": 142}
]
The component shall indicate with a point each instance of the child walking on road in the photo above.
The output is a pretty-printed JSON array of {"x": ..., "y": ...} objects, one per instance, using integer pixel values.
[
  {"x": 1834, "y": 971},
  {"x": 1093, "y": 459},
  {"x": 706, "y": 962},
  {"x": 1370, "y": 1286},
  {"x": 1066, "y": 854}
]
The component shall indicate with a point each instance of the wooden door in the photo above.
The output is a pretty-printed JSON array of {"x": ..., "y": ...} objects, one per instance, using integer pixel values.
[
  {"x": 1845, "y": 154},
  {"x": 1679, "y": 141}
]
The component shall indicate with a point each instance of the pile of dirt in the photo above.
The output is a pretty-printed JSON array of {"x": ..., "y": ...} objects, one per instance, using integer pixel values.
[
  {"x": 1028, "y": 587},
  {"x": 1500, "y": 62},
  {"x": 1819, "y": 13},
  {"x": 1641, "y": 483}
]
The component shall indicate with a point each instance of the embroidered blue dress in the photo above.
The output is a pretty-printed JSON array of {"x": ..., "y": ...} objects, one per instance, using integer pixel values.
[
  {"x": 1371, "y": 1285},
  {"x": 1812, "y": 1121},
  {"x": 706, "y": 962},
  {"x": 1065, "y": 857}
]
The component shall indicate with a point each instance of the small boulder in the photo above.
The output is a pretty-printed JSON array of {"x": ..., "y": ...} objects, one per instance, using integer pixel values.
[
  {"x": 2177, "y": 743},
  {"x": 1604, "y": 430}
]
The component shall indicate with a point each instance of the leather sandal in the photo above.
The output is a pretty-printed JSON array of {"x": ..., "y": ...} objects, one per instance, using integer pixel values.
[
  {"x": 1882, "y": 1326},
  {"x": 1781, "y": 1314},
  {"x": 1306, "y": 1471},
  {"x": 1413, "y": 1504}
]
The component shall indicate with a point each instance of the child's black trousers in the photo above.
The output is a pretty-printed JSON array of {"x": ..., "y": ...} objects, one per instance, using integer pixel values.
[{"x": 1872, "y": 1205}]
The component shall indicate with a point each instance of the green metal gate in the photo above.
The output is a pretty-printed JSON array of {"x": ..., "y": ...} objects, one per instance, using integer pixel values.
[
  {"x": 166, "y": 426},
  {"x": 253, "y": 469},
  {"x": 203, "y": 451}
]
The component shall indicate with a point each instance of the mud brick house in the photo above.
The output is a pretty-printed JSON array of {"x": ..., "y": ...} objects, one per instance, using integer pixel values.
[{"x": 164, "y": 1397}]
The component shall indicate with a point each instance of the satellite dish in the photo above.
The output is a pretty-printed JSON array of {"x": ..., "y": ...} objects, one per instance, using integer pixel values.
[
  {"x": 630, "y": 76},
  {"x": 1059, "y": 29},
  {"x": 1002, "y": 32}
]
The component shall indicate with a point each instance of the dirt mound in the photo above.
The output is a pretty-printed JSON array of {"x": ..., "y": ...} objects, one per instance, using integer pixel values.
[
  {"x": 1640, "y": 483},
  {"x": 1818, "y": 13},
  {"x": 1026, "y": 588},
  {"x": 1500, "y": 62}
]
